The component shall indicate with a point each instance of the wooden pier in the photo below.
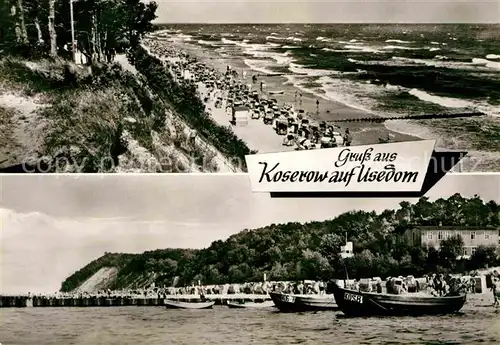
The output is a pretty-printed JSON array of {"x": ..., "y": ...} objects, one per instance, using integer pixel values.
[{"x": 105, "y": 301}]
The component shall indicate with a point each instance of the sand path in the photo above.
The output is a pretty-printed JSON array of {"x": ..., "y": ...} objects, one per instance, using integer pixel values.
[{"x": 256, "y": 134}]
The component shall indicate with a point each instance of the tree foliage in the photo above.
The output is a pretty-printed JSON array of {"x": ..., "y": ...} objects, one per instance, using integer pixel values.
[{"x": 296, "y": 251}]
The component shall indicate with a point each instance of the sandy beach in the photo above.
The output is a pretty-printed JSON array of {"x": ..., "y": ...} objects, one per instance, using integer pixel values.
[
  {"x": 363, "y": 133},
  {"x": 256, "y": 134}
]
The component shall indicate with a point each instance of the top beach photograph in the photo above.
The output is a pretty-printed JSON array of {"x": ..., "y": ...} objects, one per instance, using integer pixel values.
[{"x": 131, "y": 86}]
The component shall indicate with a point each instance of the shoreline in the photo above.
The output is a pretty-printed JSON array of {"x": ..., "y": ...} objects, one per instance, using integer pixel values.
[{"x": 265, "y": 140}]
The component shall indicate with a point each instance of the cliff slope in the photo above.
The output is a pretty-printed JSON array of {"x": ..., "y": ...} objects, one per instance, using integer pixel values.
[{"x": 60, "y": 117}]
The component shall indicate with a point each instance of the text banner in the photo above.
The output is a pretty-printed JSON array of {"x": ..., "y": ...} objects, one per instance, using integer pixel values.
[{"x": 384, "y": 170}]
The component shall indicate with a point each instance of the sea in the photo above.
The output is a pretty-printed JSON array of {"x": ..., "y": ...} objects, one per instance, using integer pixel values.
[
  {"x": 442, "y": 65},
  {"x": 477, "y": 324},
  {"x": 380, "y": 69}
]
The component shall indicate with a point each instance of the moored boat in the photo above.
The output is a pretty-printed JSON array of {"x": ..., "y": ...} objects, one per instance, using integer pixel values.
[
  {"x": 289, "y": 303},
  {"x": 251, "y": 305},
  {"x": 357, "y": 303},
  {"x": 279, "y": 92},
  {"x": 172, "y": 304}
]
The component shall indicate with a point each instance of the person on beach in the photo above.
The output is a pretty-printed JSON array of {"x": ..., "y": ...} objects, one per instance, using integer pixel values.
[
  {"x": 356, "y": 285},
  {"x": 317, "y": 106},
  {"x": 254, "y": 79},
  {"x": 440, "y": 285},
  {"x": 472, "y": 285},
  {"x": 347, "y": 137},
  {"x": 495, "y": 289},
  {"x": 300, "y": 99}
]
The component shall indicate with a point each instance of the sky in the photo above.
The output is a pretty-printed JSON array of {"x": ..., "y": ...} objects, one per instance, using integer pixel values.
[
  {"x": 328, "y": 11},
  {"x": 52, "y": 226}
]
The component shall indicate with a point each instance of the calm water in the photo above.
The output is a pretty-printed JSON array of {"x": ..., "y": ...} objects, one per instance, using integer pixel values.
[{"x": 154, "y": 325}]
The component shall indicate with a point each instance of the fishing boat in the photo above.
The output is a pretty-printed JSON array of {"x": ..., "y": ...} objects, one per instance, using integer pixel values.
[
  {"x": 289, "y": 303},
  {"x": 171, "y": 304},
  {"x": 357, "y": 303},
  {"x": 278, "y": 92},
  {"x": 251, "y": 305}
]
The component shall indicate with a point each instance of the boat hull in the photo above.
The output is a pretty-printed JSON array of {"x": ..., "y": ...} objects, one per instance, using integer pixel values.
[
  {"x": 251, "y": 305},
  {"x": 171, "y": 304},
  {"x": 287, "y": 303},
  {"x": 356, "y": 303}
]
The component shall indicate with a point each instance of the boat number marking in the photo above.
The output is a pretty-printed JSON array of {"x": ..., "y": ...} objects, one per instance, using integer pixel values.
[
  {"x": 288, "y": 298},
  {"x": 353, "y": 298}
]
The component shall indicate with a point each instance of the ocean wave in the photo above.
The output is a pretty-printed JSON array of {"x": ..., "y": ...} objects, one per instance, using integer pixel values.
[
  {"x": 259, "y": 66},
  {"x": 352, "y": 48},
  {"x": 362, "y": 96},
  {"x": 281, "y": 59},
  {"x": 229, "y": 42},
  {"x": 439, "y": 61},
  {"x": 391, "y": 47},
  {"x": 493, "y": 57},
  {"x": 310, "y": 72},
  {"x": 275, "y": 38},
  {"x": 356, "y": 43},
  {"x": 398, "y": 41},
  {"x": 447, "y": 102},
  {"x": 364, "y": 50},
  {"x": 343, "y": 91},
  {"x": 486, "y": 63},
  {"x": 323, "y": 39},
  {"x": 450, "y": 102},
  {"x": 353, "y": 94},
  {"x": 206, "y": 43}
]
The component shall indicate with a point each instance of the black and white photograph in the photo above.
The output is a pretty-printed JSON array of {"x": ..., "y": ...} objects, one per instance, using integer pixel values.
[
  {"x": 132, "y": 86},
  {"x": 200, "y": 259}
]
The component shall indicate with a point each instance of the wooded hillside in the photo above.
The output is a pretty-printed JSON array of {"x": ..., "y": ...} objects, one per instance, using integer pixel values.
[{"x": 310, "y": 251}]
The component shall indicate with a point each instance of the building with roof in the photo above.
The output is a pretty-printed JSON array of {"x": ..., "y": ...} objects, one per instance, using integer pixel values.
[{"x": 473, "y": 237}]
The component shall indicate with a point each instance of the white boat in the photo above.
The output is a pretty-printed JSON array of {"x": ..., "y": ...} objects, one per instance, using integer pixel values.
[
  {"x": 172, "y": 304},
  {"x": 251, "y": 305},
  {"x": 279, "y": 92}
]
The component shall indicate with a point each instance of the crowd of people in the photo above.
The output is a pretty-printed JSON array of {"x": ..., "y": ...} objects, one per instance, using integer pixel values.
[
  {"x": 434, "y": 284},
  {"x": 229, "y": 90},
  {"x": 438, "y": 285}
]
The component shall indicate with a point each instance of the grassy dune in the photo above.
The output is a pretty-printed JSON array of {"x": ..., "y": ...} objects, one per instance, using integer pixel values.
[{"x": 99, "y": 119}]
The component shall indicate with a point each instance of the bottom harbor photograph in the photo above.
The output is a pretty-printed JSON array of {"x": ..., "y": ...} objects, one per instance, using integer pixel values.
[{"x": 201, "y": 259}]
